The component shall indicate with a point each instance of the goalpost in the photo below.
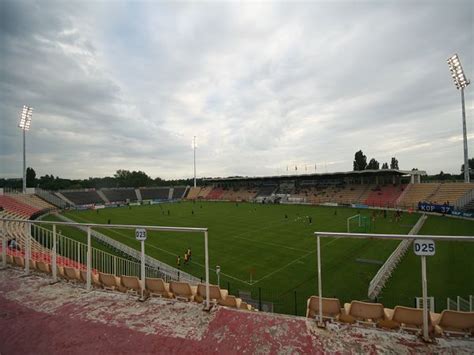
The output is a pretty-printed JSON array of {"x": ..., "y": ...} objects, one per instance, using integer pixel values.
[
  {"x": 349, "y": 219},
  {"x": 358, "y": 222}
]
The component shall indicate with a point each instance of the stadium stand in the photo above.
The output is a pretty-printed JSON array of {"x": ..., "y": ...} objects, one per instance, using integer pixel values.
[
  {"x": 50, "y": 198},
  {"x": 450, "y": 192},
  {"x": 405, "y": 318},
  {"x": 204, "y": 192},
  {"x": 331, "y": 308},
  {"x": 469, "y": 206},
  {"x": 246, "y": 194},
  {"x": 216, "y": 294},
  {"x": 155, "y": 193},
  {"x": 158, "y": 287},
  {"x": 215, "y": 194},
  {"x": 88, "y": 197},
  {"x": 454, "y": 323},
  {"x": 363, "y": 312},
  {"x": 110, "y": 282},
  {"x": 131, "y": 284},
  {"x": 183, "y": 290},
  {"x": 349, "y": 194},
  {"x": 120, "y": 195},
  {"x": 415, "y": 193},
  {"x": 193, "y": 193},
  {"x": 178, "y": 192},
  {"x": 15, "y": 206},
  {"x": 34, "y": 201},
  {"x": 384, "y": 196},
  {"x": 238, "y": 194},
  {"x": 267, "y": 190},
  {"x": 33, "y": 306}
]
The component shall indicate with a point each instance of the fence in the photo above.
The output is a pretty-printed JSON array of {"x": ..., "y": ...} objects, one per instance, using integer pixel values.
[
  {"x": 427, "y": 238},
  {"x": 378, "y": 282},
  {"x": 34, "y": 242},
  {"x": 465, "y": 199},
  {"x": 460, "y": 304},
  {"x": 169, "y": 272}
]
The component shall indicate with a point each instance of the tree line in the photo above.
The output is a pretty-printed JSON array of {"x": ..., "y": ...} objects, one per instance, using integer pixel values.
[
  {"x": 360, "y": 163},
  {"x": 122, "y": 178}
]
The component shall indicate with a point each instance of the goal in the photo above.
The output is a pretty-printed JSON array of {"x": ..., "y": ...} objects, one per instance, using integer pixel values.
[{"x": 358, "y": 224}]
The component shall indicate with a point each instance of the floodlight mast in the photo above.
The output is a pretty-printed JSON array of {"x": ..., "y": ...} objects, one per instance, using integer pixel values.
[
  {"x": 194, "y": 147},
  {"x": 460, "y": 81},
  {"x": 25, "y": 122}
]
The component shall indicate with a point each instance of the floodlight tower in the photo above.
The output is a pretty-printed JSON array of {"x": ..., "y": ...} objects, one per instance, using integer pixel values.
[
  {"x": 461, "y": 82},
  {"x": 194, "y": 148},
  {"x": 25, "y": 121}
]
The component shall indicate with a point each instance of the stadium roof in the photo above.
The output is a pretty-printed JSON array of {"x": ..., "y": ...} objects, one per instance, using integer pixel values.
[{"x": 382, "y": 172}]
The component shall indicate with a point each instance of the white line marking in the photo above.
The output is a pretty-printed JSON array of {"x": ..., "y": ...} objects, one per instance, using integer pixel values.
[{"x": 294, "y": 261}]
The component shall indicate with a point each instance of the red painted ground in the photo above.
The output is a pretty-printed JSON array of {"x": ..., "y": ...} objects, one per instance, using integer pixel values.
[{"x": 39, "y": 318}]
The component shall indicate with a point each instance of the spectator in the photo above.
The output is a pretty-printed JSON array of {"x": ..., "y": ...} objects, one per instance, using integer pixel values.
[{"x": 13, "y": 244}]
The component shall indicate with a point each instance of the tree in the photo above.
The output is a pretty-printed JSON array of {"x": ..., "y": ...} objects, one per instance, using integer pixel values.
[
  {"x": 360, "y": 161},
  {"x": 125, "y": 178},
  {"x": 384, "y": 166},
  {"x": 471, "y": 166},
  {"x": 30, "y": 177},
  {"x": 373, "y": 164},
  {"x": 394, "y": 163}
]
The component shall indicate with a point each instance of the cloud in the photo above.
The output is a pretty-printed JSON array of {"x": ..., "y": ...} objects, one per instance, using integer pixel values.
[{"x": 262, "y": 85}]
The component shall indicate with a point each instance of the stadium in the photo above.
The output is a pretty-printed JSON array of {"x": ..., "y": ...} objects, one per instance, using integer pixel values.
[{"x": 366, "y": 260}]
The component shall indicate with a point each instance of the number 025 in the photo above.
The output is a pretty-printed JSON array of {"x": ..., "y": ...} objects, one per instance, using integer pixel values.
[{"x": 424, "y": 247}]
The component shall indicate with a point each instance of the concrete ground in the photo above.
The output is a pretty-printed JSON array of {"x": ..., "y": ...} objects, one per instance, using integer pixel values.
[{"x": 39, "y": 318}]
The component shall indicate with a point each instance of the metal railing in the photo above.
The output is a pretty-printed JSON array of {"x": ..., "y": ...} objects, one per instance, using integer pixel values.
[
  {"x": 411, "y": 238},
  {"x": 464, "y": 199},
  {"x": 42, "y": 244},
  {"x": 460, "y": 304},
  {"x": 49, "y": 197},
  {"x": 170, "y": 272},
  {"x": 383, "y": 274}
]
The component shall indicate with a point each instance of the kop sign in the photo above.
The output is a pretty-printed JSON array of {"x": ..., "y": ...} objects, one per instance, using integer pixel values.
[
  {"x": 424, "y": 247},
  {"x": 140, "y": 234}
]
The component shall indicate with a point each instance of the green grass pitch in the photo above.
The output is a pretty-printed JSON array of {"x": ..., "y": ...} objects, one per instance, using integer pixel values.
[{"x": 261, "y": 251}]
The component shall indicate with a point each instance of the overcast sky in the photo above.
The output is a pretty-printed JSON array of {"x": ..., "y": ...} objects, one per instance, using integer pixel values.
[{"x": 126, "y": 85}]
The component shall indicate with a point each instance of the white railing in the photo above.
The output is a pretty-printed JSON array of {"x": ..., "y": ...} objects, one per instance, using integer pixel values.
[
  {"x": 424, "y": 277},
  {"x": 378, "y": 282},
  {"x": 36, "y": 243},
  {"x": 464, "y": 199},
  {"x": 70, "y": 252},
  {"x": 49, "y": 197},
  {"x": 170, "y": 272},
  {"x": 460, "y": 304}
]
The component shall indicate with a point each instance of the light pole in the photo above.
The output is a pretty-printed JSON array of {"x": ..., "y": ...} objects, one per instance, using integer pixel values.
[
  {"x": 194, "y": 148},
  {"x": 218, "y": 271},
  {"x": 461, "y": 82},
  {"x": 25, "y": 121}
]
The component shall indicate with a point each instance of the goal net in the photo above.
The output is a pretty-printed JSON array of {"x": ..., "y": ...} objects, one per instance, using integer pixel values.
[{"x": 358, "y": 224}]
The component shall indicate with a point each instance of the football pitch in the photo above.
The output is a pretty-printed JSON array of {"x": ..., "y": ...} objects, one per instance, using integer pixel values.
[{"x": 269, "y": 251}]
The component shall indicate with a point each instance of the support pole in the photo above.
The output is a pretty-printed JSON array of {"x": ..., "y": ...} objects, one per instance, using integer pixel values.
[
  {"x": 24, "y": 161},
  {"x": 425, "y": 299},
  {"x": 320, "y": 285},
  {"x": 194, "y": 146},
  {"x": 89, "y": 259},
  {"x": 27, "y": 248},
  {"x": 142, "y": 286},
  {"x": 208, "y": 301},
  {"x": 55, "y": 269},
  {"x": 464, "y": 133},
  {"x": 4, "y": 244}
]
